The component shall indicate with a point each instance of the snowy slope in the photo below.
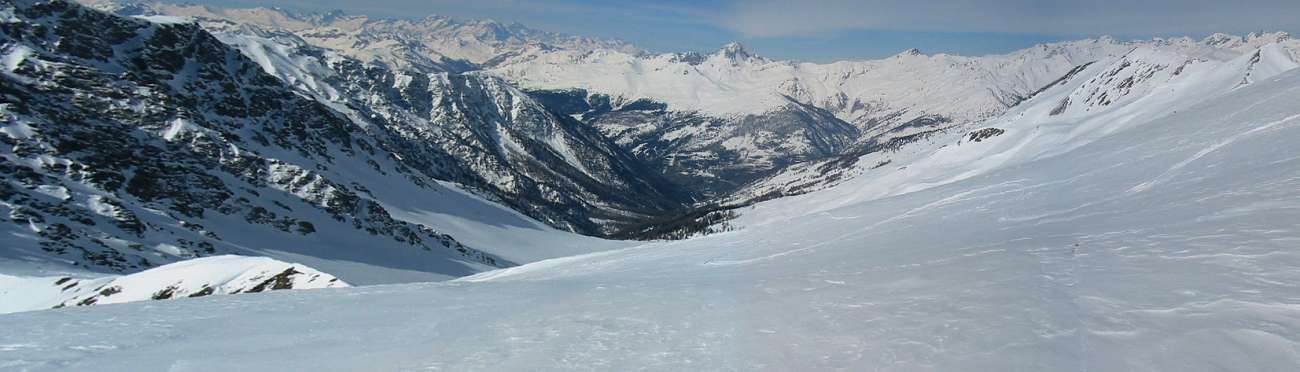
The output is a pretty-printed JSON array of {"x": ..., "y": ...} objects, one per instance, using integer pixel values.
[
  {"x": 1159, "y": 240},
  {"x": 216, "y": 275}
]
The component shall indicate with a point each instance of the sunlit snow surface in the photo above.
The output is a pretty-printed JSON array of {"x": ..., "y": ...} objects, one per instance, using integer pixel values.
[
  {"x": 213, "y": 275},
  {"x": 1165, "y": 244}
]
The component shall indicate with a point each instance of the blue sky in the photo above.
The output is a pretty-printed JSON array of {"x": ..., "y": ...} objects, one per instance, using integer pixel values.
[{"x": 825, "y": 30}]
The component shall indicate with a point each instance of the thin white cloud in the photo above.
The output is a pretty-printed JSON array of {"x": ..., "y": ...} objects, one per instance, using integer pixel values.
[{"x": 772, "y": 18}]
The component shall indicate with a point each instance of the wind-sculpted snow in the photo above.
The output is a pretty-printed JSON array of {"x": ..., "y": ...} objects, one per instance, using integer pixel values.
[{"x": 1152, "y": 240}]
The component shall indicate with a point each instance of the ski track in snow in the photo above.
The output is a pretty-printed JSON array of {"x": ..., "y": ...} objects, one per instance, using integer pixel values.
[{"x": 1212, "y": 148}]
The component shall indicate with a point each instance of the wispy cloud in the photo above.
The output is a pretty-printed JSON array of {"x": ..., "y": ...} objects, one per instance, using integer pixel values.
[{"x": 774, "y": 18}]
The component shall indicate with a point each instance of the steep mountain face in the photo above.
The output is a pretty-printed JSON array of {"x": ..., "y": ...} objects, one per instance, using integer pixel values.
[
  {"x": 129, "y": 144},
  {"x": 474, "y": 130},
  {"x": 714, "y": 155},
  {"x": 199, "y": 277}
]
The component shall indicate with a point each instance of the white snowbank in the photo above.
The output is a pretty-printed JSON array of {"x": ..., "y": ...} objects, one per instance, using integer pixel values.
[{"x": 216, "y": 275}]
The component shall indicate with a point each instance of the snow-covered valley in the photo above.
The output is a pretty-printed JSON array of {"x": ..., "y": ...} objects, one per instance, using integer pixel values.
[{"x": 1098, "y": 205}]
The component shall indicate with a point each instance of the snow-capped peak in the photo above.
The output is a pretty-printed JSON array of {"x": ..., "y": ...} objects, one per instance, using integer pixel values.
[
  {"x": 1219, "y": 38},
  {"x": 1269, "y": 37},
  {"x": 734, "y": 51},
  {"x": 910, "y": 53}
]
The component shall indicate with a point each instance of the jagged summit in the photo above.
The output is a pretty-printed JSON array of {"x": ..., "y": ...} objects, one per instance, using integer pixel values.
[
  {"x": 911, "y": 52},
  {"x": 1258, "y": 38},
  {"x": 1274, "y": 37},
  {"x": 734, "y": 50}
]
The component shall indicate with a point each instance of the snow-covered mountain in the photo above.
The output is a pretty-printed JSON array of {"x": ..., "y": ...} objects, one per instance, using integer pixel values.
[
  {"x": 709, "y": 156},
  {"x": 712, "y": 123},
  {"x": 867, "y": 93},
  {"x": 1155, "y": 232},
  {"x": 478, "y": 131},
  {"x": 1156, "y": 78},
  {"x": 887, "y": 100},
  {"x": 216, "y": 275},
  {"x": 131, "y": 143}
]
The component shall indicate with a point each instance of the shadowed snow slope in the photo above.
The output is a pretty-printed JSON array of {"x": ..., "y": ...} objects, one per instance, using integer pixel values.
[{"x": 1147, "y": 242}]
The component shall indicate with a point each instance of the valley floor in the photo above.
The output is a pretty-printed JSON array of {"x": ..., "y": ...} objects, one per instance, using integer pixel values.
[{"x": 1171, "y": 245}]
